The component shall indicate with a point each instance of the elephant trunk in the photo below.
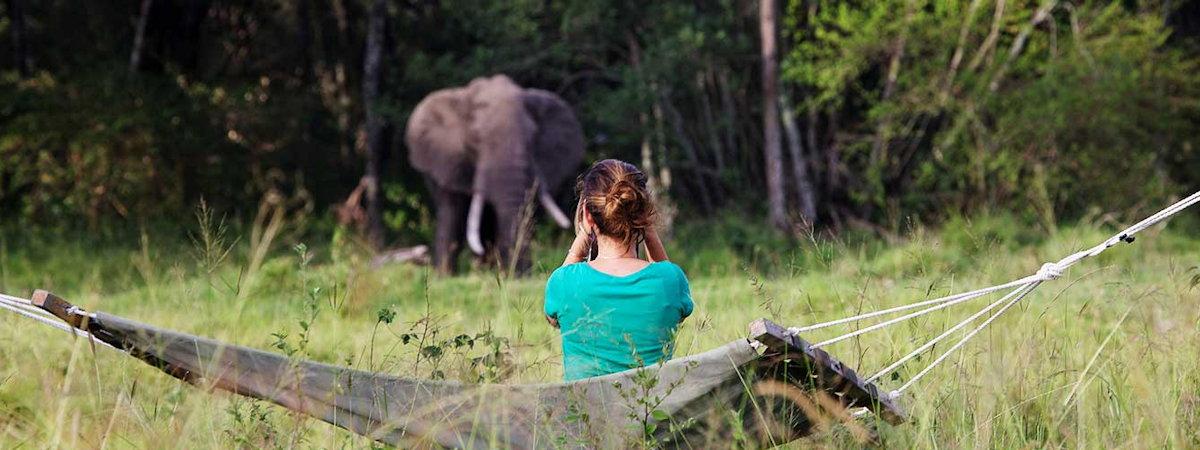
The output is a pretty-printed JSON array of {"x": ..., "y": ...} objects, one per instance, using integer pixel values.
[
  {"x": 552, "y": 208},
  {"x": 474, "y": 222}
]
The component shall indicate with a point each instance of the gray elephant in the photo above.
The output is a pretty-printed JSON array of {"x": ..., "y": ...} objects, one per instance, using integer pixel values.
[{"x": 482, "y": 149}]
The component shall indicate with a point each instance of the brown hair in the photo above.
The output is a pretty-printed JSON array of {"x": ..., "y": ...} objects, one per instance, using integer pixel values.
[{"x": 614, "y": 193}]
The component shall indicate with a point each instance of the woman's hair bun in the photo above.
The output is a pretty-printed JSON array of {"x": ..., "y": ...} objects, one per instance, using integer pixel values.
[{"x": 614, "y": 192}]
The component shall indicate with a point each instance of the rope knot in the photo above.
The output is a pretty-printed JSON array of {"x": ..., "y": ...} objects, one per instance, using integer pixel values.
[{"x": 1050, "y": 271}]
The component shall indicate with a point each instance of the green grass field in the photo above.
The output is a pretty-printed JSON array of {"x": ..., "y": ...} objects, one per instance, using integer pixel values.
[{"x": 1006, "y": 389}]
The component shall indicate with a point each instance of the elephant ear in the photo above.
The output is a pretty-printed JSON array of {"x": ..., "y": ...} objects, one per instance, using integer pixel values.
[
  {"x": 558, "y": 145},
  {"x": 437, "y": 139}
]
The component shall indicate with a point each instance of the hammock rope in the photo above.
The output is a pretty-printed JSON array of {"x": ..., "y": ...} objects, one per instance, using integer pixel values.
[
  {"x": 1021, "y": 288},
  {"x": 1023, "y": 292},
  {"x": 935, "y": 340},
  {"x": 26, "y": 308}
]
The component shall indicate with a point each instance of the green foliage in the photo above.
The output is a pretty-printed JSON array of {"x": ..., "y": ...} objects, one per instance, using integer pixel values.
[
  {"x": 97, "y": 146},
  {"x": 211, "y": 241},
  {"x": 907, "y": 109},
  {"x": 643, "y": 398},
  {"x": 409, "y": 214},
  {"x": 1104, "y": 117},
  {"x": 958, "y": 103},
  {"x": 252, "y": 426},
  {"x": 315, "y": 297},
  {"x": 481, "y": 358}
]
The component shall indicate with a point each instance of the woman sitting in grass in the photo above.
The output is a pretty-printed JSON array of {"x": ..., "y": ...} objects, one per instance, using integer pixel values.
[{"x": 615, "y": 311}]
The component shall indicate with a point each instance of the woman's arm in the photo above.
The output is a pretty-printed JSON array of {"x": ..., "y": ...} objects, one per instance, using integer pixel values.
[
  {"x": 581, "y": 246},
  {"x": 654, "y": 247},
  {"x": 578, "y": 251}
]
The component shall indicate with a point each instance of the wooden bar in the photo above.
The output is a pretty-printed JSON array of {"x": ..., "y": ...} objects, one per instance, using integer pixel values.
[
  {"x": 57, "y": 306},
  {"x": 825, "y": 372}
]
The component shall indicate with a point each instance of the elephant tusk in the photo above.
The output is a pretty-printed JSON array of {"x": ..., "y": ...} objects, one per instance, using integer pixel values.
[
  {"x": 474, "y": 219},
  {"x": 552, "y": 208}
]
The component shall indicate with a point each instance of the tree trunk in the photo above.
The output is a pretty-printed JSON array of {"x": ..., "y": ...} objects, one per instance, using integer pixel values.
[
  {"x": 20, "y": 40},
  {"x": 883, "y": 132},
  {"x": 658, "y": 179},
  {"x": 700, "y": 180},
  {"x": 139, "y": 37},
  {"x": 835, "y": 183},
  {"x": 807, "y": 198},
  {"x": 772, "y": 153},
  {"x": 710, "y": 123},
  {"x": 376, "y": 125},
  {"x": 729, "y": 121},
  {"x": 338, "y": 79}
]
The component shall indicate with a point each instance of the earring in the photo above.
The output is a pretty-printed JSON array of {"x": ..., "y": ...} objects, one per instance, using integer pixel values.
[{"x": 593, "y": 246}]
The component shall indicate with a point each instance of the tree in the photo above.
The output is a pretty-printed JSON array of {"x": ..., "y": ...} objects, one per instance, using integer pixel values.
[
  {"x": 772, "y": 149},
  {"x": 806, "y": 195},
  {"x": 376, "y": 125},
  {"x": 139, "y": 37}
]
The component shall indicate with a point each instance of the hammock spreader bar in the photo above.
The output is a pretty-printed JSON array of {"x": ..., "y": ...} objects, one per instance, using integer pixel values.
[{"x": 782, "y": 390}]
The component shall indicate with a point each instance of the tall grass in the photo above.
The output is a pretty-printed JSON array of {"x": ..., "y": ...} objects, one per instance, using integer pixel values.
[{"x": 1108, "y": 356}]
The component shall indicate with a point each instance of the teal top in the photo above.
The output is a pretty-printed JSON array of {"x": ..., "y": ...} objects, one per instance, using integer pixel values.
[{"x": 612, "y": 323}]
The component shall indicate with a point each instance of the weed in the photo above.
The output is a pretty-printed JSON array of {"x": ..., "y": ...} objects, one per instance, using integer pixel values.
[
  {"x": 251, "y": 425},
  {"x": 643, "y": 400},
  {"x": 766, "y": 301},
  {"x": 211, "y": 241}
]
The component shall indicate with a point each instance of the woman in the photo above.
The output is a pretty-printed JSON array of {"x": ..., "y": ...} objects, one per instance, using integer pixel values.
[{"x": 615, "y": 310}]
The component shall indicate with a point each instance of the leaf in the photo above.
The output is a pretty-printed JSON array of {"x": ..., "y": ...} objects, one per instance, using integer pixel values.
[
  {"x": 431, "y": 351},
  {"x": 660, "y": 415},
  {"x": 651, "y": 428},
  {"x": 385, "y": 315}
]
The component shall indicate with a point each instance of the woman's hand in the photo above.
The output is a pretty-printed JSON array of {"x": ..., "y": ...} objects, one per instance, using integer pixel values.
[
  {"x": 582, "y": 243},
  {"x": 654, "y": 247},
  {"x": 553, "y": 321},
  {"x": 579, "y": 249}
]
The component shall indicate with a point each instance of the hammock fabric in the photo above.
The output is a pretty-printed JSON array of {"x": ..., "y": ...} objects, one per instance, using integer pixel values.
[{"x": 769, "y": 397}]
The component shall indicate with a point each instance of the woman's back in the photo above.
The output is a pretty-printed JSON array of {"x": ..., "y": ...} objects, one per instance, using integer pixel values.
[{"x": 611, "y": 323}]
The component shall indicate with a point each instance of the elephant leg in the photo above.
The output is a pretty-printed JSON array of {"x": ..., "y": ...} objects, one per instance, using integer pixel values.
[
  {"x": 451, "y": 225},
  {"x": 514, "y": 232}
]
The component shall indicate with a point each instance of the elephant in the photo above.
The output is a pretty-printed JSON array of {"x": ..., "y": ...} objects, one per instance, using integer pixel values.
[{"x": 482, "y": 149}]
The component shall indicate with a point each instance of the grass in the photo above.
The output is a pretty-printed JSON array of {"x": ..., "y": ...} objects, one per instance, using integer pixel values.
[{"x": 1108, "y": 356}]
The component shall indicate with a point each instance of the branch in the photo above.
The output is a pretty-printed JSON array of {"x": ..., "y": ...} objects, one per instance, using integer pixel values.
[
  {"x": 992, "y": 37},
  {"x": 958, "y": 52},
  {"x": 1040, "y": 16}
]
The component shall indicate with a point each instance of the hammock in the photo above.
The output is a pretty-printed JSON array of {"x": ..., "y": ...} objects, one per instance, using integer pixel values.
[
  {"x": 771, "y": 388},
  {"x": 780, "y": 394}
]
